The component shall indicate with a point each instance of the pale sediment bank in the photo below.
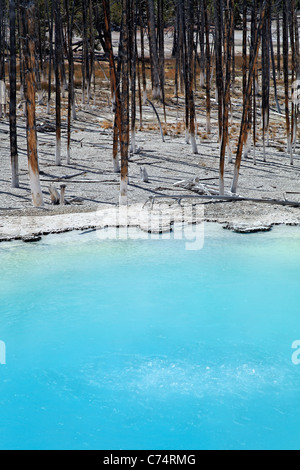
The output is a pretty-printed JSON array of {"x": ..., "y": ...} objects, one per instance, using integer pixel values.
[{"x": 242, "y": 217}]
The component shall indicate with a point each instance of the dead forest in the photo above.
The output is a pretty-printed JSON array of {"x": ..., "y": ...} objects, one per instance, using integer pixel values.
[{"x": 54, "y": 52}]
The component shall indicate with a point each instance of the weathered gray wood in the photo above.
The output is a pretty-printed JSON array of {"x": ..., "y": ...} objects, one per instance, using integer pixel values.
[
  {"x": 226, "y": 199},
  {"x": 54, "y": 195},
  {"x": 62, "y": 194}
]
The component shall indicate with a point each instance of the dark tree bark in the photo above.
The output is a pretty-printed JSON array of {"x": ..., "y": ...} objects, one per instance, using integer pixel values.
[
  {"x": 50, "y": 26},
  {"x": 143, "y": 50},
  {"x": 133, "y": 72},
  {"x": 219, "y": 61},
  {"x": 125, "y": 104},
  {"x": 285, "y": 47},
  {"x": 278, "y": 41},
  {"x": 190, "y": 74},
  {"x": 208, "y": 71},
  {"x": 253, "y": 32},
  {"x": 244, "y": 124},
  {"x": 30, "y": 91},
  {"x": 115, "y": 92},
  {"x": 70, "y": 22},
  {"x": 266, "y": 78},
  {"x": 161, "y": 50},
  {"x": 57, "y": 81},
  {"x": 156, "y": 90},
  {"x": 2, "y": 38},
  {"x": 244, "y": 68},
  {"x": 13, "y": 96},
  {"x": 229, "y": 25}
]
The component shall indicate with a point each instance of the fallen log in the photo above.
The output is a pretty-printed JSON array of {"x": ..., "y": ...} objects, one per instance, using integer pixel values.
[
  {"x": 200, "y": 188},
  {"x": 225, "y": 199}
]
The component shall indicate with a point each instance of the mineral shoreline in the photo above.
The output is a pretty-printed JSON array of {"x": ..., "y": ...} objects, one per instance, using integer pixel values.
[{"x": 29, "y": 226}]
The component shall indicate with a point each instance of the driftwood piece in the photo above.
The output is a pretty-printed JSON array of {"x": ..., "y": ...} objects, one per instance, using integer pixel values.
[
  {"x": 196, "y": 186},
  {"x": 68, "y": 177},
  {"x": 45, "y": 127}
]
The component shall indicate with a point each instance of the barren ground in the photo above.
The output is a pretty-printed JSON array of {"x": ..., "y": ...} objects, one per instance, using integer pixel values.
[{"x": 97, "y": 186}]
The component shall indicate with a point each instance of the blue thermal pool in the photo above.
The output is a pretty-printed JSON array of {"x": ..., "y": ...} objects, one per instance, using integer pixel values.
[{"x": 143, "y": 344}]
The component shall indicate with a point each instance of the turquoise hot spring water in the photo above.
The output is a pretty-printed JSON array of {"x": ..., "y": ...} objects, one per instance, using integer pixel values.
[{"x": 142, "y": 344}]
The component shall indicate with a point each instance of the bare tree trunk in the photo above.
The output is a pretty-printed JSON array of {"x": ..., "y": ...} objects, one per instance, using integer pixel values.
[
  {"x": 190, "y": 75},
  {"x": 156, "y": 91},
  {"x": 143, "y": 51},
  {"x": 253, "y": 31},
  {"x": 208, "y": 71},
  {"x": 84, "y": 69},
  {"x": 266, "y": 79},
  {"x": 161, "y": 49},
  {"x": 115, "y": 92},
  {"x": 244, "y": 125},
  {"x": 57, "y": 82},
  {"x": 50, "y": 25},
  {"x": 297, "y": 62},
  {"x": 91, "y": 61},
  {"x": 13, "y": 97},
  {"x": 133, "y": 75},
  {"x": 278, "y": 41},
  {"x": 294, "y": 35},
  {"x": 244, "y": 68},
  {"x": 30, "y": 90},
  {"x": 226, "y": 98},
  {"x": 2, "y": 54},
  {"x": 184, "y": 63},
  {"x": 125, "y": 105},
  {"x": 285, "y": 46},
  {"x": 219, "y": 61},
  {"x": 274, "y": 74},
  {"x": 70, "y": 21}
]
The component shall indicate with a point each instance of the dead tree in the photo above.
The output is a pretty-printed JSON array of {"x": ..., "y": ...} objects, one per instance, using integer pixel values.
[
  {"x": 115, "y": 90},
  {"x": 208, "y": 67},
  {"x": 244, "y": 124},
  {"x": 254, "y": 86},
  {"x": 13, "y": 96},
  {"x": 161, "y": 50},
  {"x": 285, "y": 47},
  {"x": 50, "y": 28},
  {"x": 294, "y": 39},
  {"x": 125, "y": 103},
  {"x": 266, "y": 79},
  {"x": 278, "y": 40},
  {"x": 57, "y": 58},
  {"x": 2, "y": 40},
  {"x": 218, "y": 5},
  {"x": 244, "y": 67},
  {"x": 228, "y": 30},
  {"x": 84, "y": 64},
  {"x": 70, "y": 22},
  {"x": 141, "y": 25},
  {"x": 133, "y": 60},
  {"x": 28, "y": 15},
  {"x": 190, "y": 74},
  {"x": 183, "y": 62},
  {"x": 156, "y": 90}
]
